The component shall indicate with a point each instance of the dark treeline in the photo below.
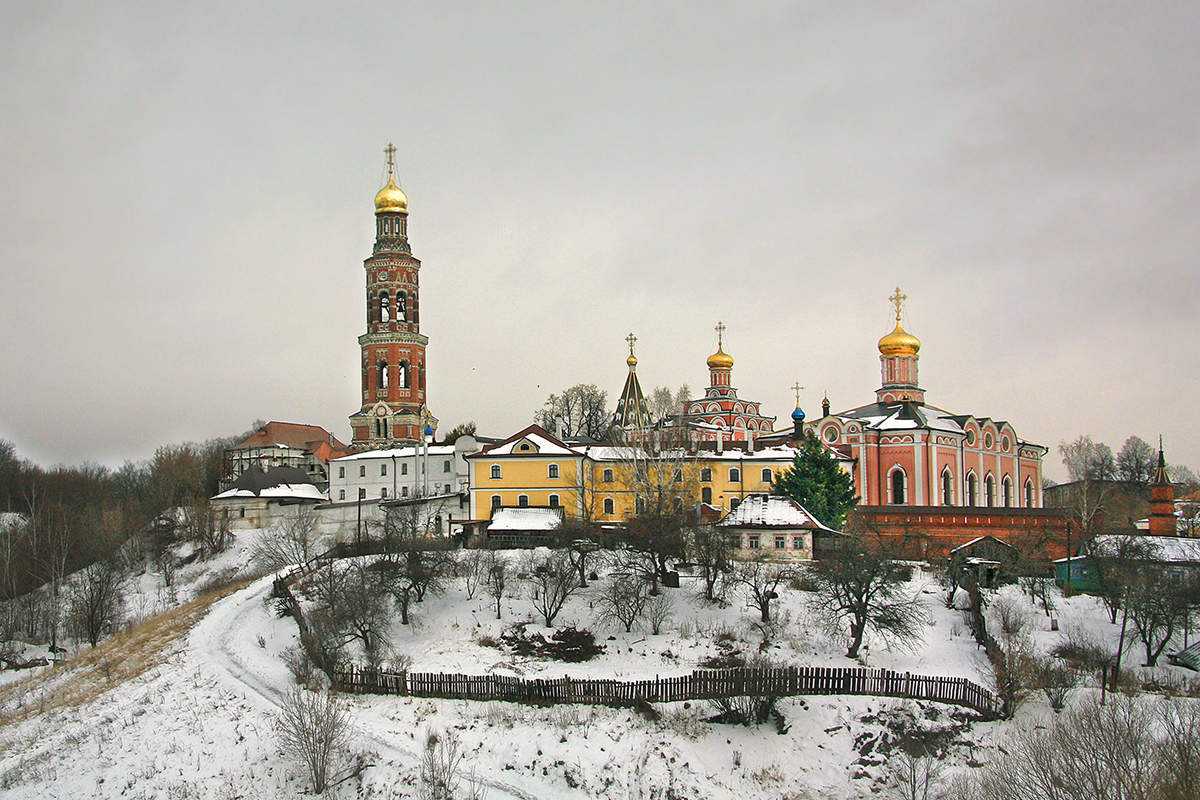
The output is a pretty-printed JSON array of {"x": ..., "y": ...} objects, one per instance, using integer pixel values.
[{"x": 72, "y": 516}]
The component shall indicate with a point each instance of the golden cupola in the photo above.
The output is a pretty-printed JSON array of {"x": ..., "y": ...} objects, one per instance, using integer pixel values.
[
  {"x": 391, "y": 199},
  {"x": 720, "y": 359},
  {"x": 899, "y": 342}
]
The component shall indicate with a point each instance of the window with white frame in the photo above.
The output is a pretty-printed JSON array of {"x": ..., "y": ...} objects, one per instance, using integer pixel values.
[
  {"x": 495, "y": 472},
  {"x": 552, "y": 471}
]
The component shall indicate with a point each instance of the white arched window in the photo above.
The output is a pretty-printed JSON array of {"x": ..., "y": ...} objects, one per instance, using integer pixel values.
[
  {"x": 608, "y": 505},
  {"x": 552, "y": 471},
  {"x": 554, "y": 501},
  {"x": 606, "y": 476},
  {"x": 706, "y": 475},
  {"x": 385, "y": 307},
  {"x": 989, "y": 490},
  {"x": 767, "y": 476},
  {"x": 383, "y": 374},
  {"x": 897, "y": 486},
  {"x": 972, "y": 489},
  {"x": 523, "y": 500},
  {"x": 1006, "y": 491},
  {"x": 947, "y": 487},
  {"x": 402, "y": 306},
  {"x": 706, "y": 495},
  {"x": 735, "y": 475},
  {"x": 495, "y": 501},
  {"x": 495, "y": 472},
  {"x": 1029, "y": 492}
]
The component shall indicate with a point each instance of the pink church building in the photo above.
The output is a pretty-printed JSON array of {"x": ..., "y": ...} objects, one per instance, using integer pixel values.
[{"x": 906, "y": 452}]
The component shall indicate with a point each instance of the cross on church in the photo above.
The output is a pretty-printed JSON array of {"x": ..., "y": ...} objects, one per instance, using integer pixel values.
[
  {"x": 720, "y": 329},
  {"x": 898, "y": 300},
  {"x": 631, "y": 339},
  {"x": 390, "y": 151},
  {"x": 797, "y": 388}
]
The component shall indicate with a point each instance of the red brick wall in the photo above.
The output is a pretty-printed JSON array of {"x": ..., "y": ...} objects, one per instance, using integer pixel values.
[{"x": 930, "y": 533}]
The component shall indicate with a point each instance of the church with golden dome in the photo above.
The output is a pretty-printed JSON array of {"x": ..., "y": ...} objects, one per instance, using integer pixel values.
[
  {"x": 393, "y": 363},
  {"x": 906, "y": 452}
]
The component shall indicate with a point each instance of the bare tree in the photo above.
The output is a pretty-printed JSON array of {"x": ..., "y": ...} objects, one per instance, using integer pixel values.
[
  {"x": 473, "y": 568},
  {"x": 1156, "y": 606},
  {"x": 207, "y": 527},
  {"x": 761, "y": 578},
  {"x": 496, "y": 578},
  {"x": 95, "y": 600},
  {"x": 622, "y": 599},
  {"x": 552, "y": 581},
  {"x": 314, "y": 729},
  {"x": 709, "y": 548},
  {"x": 860, "y": 583},
  {"x": 441, "y": 769},
  {"x": 1092, "y": 468},
  {"x": 292, "y": 541},
  {"x": 579, "y": 411},
  {"x": 1136, "y": 461}
]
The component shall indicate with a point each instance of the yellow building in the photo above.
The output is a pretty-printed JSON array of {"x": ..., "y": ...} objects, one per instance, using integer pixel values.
[{"x": 612, "y": 483}]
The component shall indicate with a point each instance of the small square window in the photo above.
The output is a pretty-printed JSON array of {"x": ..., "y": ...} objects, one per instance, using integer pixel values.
[
  {"x": 780, "y": 542},
  {"x": 753, "y": 542},
  {"x": 797, "y": 542}
]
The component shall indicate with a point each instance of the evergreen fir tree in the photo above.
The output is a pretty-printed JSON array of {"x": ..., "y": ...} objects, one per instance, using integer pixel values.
[{"x": 817, "y": 481}]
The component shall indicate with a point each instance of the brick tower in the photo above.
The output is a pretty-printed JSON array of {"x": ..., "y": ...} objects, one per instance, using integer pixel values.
[
  {"x": 1162, "y": 500},
  {"x": 393, "y": 350},
  {"x": 898, "y": 361}
]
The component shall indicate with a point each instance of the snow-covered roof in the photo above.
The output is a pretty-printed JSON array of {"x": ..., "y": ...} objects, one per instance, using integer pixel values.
[
  {"x": 1176, "y": 549},
  {"x": 525, "y": 519},
  {"x": 771, "y": 511},
  {"x": 283, "y": 491},
  {"x": 401, "y": 452}
]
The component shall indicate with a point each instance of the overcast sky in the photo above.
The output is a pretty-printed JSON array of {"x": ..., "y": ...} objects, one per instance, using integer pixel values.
[{"x": 186, "y": 203}]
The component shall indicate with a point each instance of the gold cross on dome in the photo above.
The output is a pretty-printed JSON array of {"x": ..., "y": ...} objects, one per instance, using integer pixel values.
[
  {"x": 720, "y": 329},
  {"x": 797, "y": 388},
  {"x": 632, "y": 340},
  {"x": 390, "y": 152},
  {"x": 897, "y": 301}
]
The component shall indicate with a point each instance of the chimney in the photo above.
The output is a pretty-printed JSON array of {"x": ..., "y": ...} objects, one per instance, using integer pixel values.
[{"x": 749, "y": 441}]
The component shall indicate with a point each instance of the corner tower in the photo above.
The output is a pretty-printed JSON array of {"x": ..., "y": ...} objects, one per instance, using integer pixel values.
[
  {"x": 1162, "y": 500},
  {"x": 898, "y": 361},
  {"x": 393, "y": 349}
]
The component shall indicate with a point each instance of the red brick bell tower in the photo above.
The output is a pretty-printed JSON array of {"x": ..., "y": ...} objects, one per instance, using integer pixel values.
[{"x": 393, "y": 349}]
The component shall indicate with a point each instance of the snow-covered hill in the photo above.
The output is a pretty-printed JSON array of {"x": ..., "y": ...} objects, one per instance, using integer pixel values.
[{"x": 184, "y": 705}]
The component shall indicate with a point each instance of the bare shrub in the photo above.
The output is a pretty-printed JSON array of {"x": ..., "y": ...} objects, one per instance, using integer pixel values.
[
  {"x": 1012, "y": 666},
  {"x": 917, "y": 776},
  {"x": 752, "y": 708},
  {"x": 622, "y": 599},
  {"x": 496, "y": 577},
  {"x": 658, "y": 610},
  {"x": 1090, "y": 752},
  {"x": 1055, "y": 679},
  {"x": 300, "y": 665},
  {"x": 1179, "y": 749},
  {"x": 314, "y": 729},
  {"x": 1079, "y": 647},
  {"x": 1010, "y": 615},
  {"x": 441, "y": 770}
]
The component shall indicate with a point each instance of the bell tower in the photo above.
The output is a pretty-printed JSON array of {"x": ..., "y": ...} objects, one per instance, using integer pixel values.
[
  {"x": 898, "y": 361},
  {"x": 393, "y": 349}
]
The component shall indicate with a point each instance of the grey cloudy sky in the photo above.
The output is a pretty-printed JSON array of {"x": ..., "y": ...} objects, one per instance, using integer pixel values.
[{"x": 186, "y": 203}]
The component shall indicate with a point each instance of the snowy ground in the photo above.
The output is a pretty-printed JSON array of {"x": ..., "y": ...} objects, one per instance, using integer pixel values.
[{"x": 198, "y": 721}]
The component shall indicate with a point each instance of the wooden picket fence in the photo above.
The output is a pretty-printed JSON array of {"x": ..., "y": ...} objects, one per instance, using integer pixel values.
[{"x": 701, "y": 684}]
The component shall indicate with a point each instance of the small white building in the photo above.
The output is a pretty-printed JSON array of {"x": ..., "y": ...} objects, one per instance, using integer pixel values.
[
  {"x": 773, "y": 526},
  {"x": 260, "y": 499}
]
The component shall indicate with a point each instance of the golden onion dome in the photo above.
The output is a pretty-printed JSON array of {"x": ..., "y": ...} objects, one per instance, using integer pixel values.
[
  {"x": 631, "y": 361},
  {"x": 720, "y": 360},
  {"x": 391, "y": 199},
  {"x": 899, "y": 343}
]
